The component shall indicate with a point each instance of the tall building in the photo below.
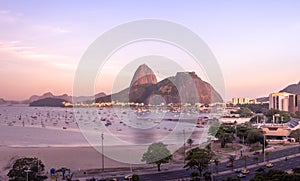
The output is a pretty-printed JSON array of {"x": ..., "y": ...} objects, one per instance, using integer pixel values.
[
  {"x": 284, "y": 101},
  {"x": 240, "y": 100}
]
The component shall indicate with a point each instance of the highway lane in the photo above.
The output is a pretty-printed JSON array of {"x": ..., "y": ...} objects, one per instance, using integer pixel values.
[
  {"x": 183, "y": 173},
  {"x": 280, "y": 165}
]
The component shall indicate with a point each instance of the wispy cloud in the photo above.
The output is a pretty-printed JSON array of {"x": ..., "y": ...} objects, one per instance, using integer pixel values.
[
  {"x": 51, "y": 29},
  {"x": 7, "y": 16},
  {"x": 16, "y": 53}
]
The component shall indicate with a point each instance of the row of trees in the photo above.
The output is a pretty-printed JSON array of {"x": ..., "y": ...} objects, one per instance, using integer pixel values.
[{"x": 246, "y": 133}]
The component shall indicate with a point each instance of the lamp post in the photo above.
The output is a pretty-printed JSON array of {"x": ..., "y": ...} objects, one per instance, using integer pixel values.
[
  {"x": 184, "y": 146},
  {"x": 102, "y": 138},
  {"x": 264, "y": 147},
  {"x": 27, "y": 171}
]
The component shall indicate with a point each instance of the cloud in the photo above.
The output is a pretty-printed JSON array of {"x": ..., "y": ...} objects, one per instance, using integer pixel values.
[
  {"x": 7, "y": 16},
  {"x": 15, "y": 53},
  {"x": 51, "y": 29}
]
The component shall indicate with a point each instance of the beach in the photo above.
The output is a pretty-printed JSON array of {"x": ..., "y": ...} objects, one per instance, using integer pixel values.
[{"x": 60, "y": 139}]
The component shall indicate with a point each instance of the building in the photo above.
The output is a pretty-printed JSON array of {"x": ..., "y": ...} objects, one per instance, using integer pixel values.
[
  {"x": 284, "y": 101},
  {"x": 276, "y": 134},
  {"x": 240, "y": 100}
]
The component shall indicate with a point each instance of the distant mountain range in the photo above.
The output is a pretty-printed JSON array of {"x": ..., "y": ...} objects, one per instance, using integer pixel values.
[
  {"x": 293, "y": 89},
  {"x": 144, "y": 88},
  {"x": 46, "y": 98}
]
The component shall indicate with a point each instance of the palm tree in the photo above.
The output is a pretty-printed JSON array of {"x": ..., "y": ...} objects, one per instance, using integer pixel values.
[
  {"x": 256, "y": 159},
  {"x": 231, "y": 159}
]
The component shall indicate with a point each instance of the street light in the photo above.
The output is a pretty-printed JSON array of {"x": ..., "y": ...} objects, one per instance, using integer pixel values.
[
  {"x": 102, "y": 138},
  {"x": 27, "y": 171},
  {"x": 184, "y": 146}
]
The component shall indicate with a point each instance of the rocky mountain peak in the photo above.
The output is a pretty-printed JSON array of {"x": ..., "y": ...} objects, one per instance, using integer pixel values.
[{"x": 143, "y": 75}]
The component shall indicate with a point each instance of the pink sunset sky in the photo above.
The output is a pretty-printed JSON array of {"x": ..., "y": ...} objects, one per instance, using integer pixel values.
[{"x": 41, "y": 42}]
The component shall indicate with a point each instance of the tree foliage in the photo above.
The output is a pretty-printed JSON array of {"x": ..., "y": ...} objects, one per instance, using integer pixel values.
[
  {"x": 276, "y": 175},
  {"x": 158, "y": 154},
  {"x": 286, "y": 116},
  {"x": 256, "y": 108},
  {"x": 244, "y": 112},
  {"x": 33, "y": 166},
  {"x": 198, "y": 159},
  {"x": 224, "y": 133}
]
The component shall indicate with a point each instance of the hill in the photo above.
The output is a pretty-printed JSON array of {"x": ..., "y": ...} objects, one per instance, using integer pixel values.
[
  {"x": 184, "y": 87},
  {"x": 48, "y": 102},
  {"x": 293, "y": 89}
]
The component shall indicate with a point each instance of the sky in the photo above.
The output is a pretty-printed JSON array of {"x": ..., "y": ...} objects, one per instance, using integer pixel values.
[{"x": 256, "y": 43}]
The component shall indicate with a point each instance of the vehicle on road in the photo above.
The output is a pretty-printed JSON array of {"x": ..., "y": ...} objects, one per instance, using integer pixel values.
[
  {"x": 128, "y": 177},
  {"x": 245, "y": 171},
  {"x": 237, "y": 171},
  {"x": 240, "y": 175},
  {"x": 256, "y": 153},
  {"x": 230, "y": 164},
  {"x": 269, "y": 165}
]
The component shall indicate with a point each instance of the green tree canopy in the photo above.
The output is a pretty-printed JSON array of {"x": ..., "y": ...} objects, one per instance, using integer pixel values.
[
  {"x": 275, "y": 175},
  {"x": 244, "y": 112},
  {"x": 33, "y": 166},
  {"x": 158, "y": 154},
  {"x": 223, "y": 132},
  {"x": 198, "y": 159}
]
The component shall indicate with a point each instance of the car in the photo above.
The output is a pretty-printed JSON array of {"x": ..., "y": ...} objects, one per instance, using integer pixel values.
[
  {"x": 237, "y": 171},
  {"x": 230, "y": 164},
  {"x": 256, "y": 153},
  {"x": 128, "y": 177},
  {"x": 269, "y": 165},
  {"x": 240, "y": 175},
  {"x": 245, "y": 171}
]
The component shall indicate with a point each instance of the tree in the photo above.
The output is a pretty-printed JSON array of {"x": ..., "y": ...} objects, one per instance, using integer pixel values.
[
  {"x": 244, "y": 112},
  {"x": 295, "y": 134},
  {"x": 275, "y": 175},
  {"x": 254, "y": 136},
  {"x": 158, "y": 154},
  {"x": 231, "y": 159},
  {"x": 198, "y": 159},
  {"x": 284, "y": 116},
  {"x": 223, "y": 133},
  {"x": 135, "y": 177},
  {"x": 190, "y": 142},
  {"x": 31, "y": 166},
  {"x": 195, "y": 176},
  {"x": 207, "y": 176}
]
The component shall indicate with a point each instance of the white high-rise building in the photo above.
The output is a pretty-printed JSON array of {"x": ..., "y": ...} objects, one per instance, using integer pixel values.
[{"x": 283, "y": 101}]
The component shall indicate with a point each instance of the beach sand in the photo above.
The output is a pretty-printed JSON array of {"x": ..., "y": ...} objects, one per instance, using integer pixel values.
[{"x": 75, "y": 158}]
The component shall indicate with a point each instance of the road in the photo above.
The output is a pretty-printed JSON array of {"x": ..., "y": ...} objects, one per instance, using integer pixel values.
[{"x": 224, "y": 172}]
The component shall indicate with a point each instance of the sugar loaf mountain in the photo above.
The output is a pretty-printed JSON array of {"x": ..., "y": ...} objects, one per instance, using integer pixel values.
[{"x": 184, "y": 87}]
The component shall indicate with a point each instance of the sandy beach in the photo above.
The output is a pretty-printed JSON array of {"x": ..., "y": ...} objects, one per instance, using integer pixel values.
[
  {"x": 56, "y": 137},
  {"x": 75, "y": 158}
]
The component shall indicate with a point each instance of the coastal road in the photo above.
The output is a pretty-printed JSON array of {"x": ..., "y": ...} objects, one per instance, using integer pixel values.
[{"x": 280, "y": 164}]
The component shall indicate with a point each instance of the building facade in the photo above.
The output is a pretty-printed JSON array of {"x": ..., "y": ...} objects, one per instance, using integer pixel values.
[
  {"x": 284, "y": 101},
  {"x": 240, "y": 100}
]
